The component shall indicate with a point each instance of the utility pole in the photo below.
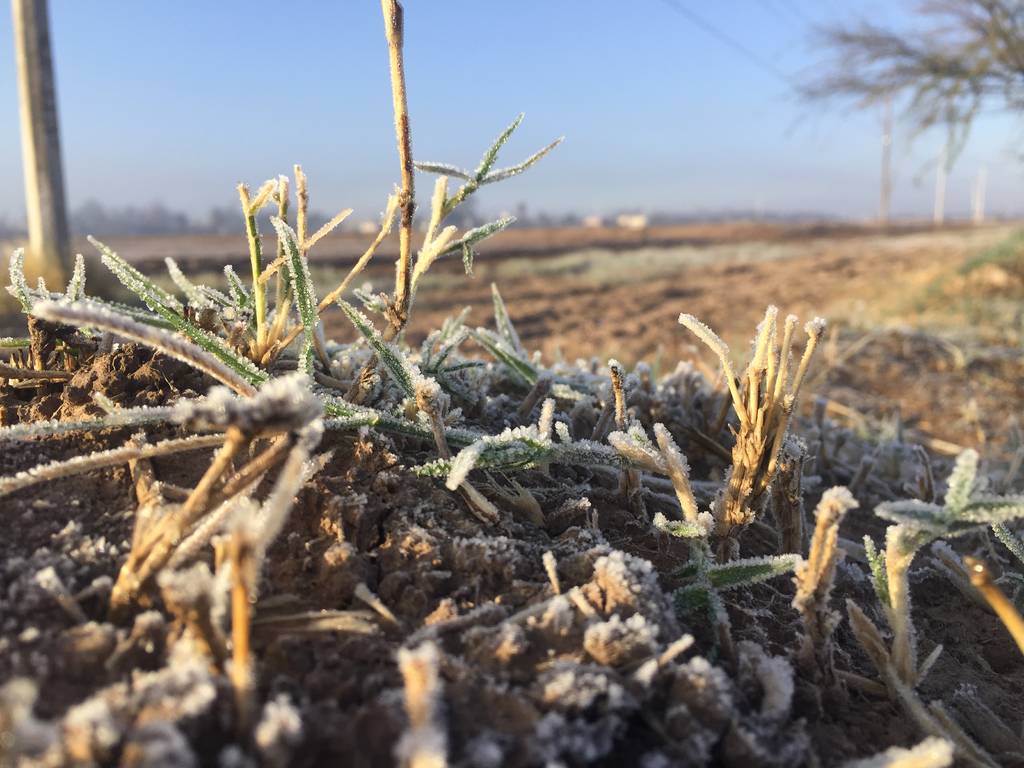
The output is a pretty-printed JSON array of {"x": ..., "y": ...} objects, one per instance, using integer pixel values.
[
  {"x": 49, "y": 246},
  {"x": 939, "y": 213},
  {"x": 885, "y": 196},
  {"x": 978, "y": 198}
]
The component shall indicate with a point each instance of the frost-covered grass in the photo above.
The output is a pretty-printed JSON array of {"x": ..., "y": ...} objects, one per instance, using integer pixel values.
[{"x": 508, "y": 432}]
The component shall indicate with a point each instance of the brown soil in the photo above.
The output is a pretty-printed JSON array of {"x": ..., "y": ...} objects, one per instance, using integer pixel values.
[{"x": 524, "y": 681}]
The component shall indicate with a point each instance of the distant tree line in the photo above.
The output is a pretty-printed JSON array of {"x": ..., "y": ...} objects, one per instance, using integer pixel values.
[{"x": 94, "y": 218}]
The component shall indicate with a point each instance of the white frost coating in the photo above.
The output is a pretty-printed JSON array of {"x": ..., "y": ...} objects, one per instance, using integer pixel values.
[
  {"x": 615, "y": 642},
  {"x": 962, "y": 479},
  {"x": 88, "y": 462},
  {"x": 292, "y": 477},
  {"x": 122, "y": 418},
  {"x": 569, "y": 686},
  {"x": 135, "y": 281},
  {"x": 211, "y": 524},
  {"x": 192, "y": 293},
  {"x": 551, "y": 568},
  {"x": 639, "y": 453},
  {"x": 424, "y": 386},
  {"x": 816, "y": 327},
  {"x": 188, "y": 587},
  {"x": 303, "y": 290},
  {"x": 678, "y": 471},
  {"x": 278, "y": 731},
  {"x": 835, "y": 501},
  {"x": 933, "y": 752},
  {"x": 546, "y": 419},
  {"x": 160, "y": 743},
  {"x": 92, "y": 723},
  {"x": 19, "y": 288},
  {"x": 462, "y": 464},
  {"x": 283, "y": 404},
  {"x": 76, "y": 285},
  {"x": 705, "y": 334},
  {"x": 89, "y": 314},
  {"x": 424, "y": 744},
  {"x": 776, "y": 677},
  {"x": 48, "y": 580}
]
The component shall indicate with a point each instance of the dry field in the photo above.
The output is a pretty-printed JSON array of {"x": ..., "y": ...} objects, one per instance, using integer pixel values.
[
  {"x": 900, "y": 306},
  {"x": 566, "y": 603}
]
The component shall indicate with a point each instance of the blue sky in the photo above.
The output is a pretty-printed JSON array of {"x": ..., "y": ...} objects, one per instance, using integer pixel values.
[{"x": 178, "y": 101}]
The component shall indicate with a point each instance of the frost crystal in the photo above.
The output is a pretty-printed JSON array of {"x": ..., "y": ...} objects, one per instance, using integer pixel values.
[
  {"x": 616, "y": 642},
  {"x": 281, "y": 405},
  {"x": 278, "y": 731}
]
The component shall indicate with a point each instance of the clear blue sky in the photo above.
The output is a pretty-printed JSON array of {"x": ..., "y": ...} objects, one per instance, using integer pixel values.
[{"x": 178, "y": 101}]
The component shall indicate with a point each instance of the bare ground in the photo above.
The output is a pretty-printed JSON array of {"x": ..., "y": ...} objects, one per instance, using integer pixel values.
[{"x": 521, "y": 690}]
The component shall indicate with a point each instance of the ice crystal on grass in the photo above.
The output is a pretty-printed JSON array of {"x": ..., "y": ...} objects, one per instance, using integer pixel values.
[
  {"x": 75, "y": 290},
  {"x": 83, "y": 314},
  {"x": 579, "y": 662},
  {"x": 281, "y": 405},
  {"x": 917, "y": 524},
  {"x": 195, "y": 297},
  {"x": 484, "y": 173},
  {"x": 19, "y": 287},
  {"x": 303, "y": 290},
  {"x": 763, "y": 400},
  {"x": 616, "y": 642},
  {"x": 402, "y": 372}
]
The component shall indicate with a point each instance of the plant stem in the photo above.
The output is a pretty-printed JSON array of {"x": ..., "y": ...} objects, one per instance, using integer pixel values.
[
  {"x": 241, "y": 555},
  {"x": 282, "y": 213},
  {"x": 256, "y": 262},
  {"x": 1005, "y": 610},
  {"x": 393, "y": 31}
]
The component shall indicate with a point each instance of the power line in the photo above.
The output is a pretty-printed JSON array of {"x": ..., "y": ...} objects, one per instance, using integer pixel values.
[{"x": 728, "y": 40}]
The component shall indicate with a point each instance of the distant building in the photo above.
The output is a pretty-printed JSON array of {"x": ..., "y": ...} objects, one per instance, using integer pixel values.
[
  {"x": 593, "y": 222},
  {"x": 631, "y": 221},
  {"x": 367, "y": 227}
]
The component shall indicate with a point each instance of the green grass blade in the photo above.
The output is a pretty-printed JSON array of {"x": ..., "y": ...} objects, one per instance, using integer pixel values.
[
  {"x": 128, "y": 417},
  {"x": 444, "y": 169},
  {"x": 192, "y": 293},
  {"x": 395, "y": 363},
  {"x": 302, "y": 290},
  {"x": 491, "y": 155},
  {"x": 237, "y": 291},
  {"x": 521, "y": 369},
  {"x": 503, "y": 323},
  {"x": 876, "y": 563},
  {"x": 505, "y": 173},
  {"x": 153, "y": 295},
  {"x": 741, "y": 573},
  {"x": 1010, "y": 541},
  {"x": 76, "y": 285},
  {"x": 467, "y": 242},
  {"x": 961, "y": 480},
  {"x": 19, "y": 287}
]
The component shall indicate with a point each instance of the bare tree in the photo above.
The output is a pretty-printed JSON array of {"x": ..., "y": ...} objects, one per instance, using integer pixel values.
[{"x": 963, "y": 56}]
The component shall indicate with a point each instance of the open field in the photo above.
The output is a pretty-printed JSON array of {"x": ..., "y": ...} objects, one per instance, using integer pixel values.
[
  {"x": 600, "y": 293},
  {"x": 537, "y": 616}
]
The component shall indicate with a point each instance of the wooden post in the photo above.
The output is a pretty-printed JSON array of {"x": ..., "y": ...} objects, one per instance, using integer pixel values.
[
  {"x": 49, "y": 251},
  {"x": 978, "y": 199},
  {"x": 939, "y": 212},
  {"x": 885, "y": 196}
]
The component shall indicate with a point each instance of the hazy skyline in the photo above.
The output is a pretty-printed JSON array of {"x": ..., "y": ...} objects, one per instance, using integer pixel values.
[{"x": 178, "y": 102}]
